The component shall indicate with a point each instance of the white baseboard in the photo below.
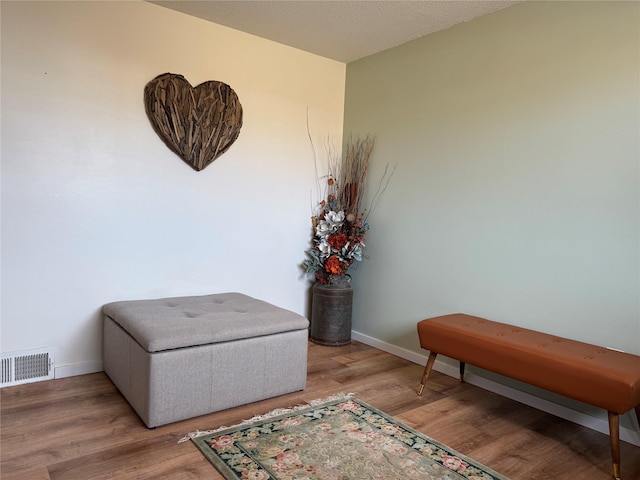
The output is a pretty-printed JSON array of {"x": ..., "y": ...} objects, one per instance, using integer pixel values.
[
  {"x": 78, "y": 369},
  {"x": 597, "y": 424}
]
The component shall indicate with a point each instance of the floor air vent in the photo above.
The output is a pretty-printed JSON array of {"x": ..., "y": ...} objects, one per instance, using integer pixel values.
[{"x": 25, "y": 367}]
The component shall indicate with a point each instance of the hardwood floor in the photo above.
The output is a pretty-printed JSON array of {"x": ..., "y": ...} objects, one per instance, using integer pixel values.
[{"x": 81, "y": 428}]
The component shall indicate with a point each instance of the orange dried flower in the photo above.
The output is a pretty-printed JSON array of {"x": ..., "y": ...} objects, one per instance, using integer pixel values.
[
  {"x": 337, "y": 240},
  {"x": 334, "y": 266}
]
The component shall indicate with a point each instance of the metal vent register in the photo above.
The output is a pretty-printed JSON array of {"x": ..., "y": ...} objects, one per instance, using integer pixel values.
[{"x": 25, "y": 367}]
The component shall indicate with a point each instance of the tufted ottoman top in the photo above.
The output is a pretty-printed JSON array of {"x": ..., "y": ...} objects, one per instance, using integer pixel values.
[{"x": 178, "y": 322}]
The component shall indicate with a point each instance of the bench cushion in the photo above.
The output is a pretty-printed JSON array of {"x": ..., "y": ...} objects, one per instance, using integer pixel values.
[
  {"x": 178, "y": 322},
  {"x": 595, "y": 375}
]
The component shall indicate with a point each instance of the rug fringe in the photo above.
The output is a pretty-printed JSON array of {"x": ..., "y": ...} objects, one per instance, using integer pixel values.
[{"x": 271, "y": 414}]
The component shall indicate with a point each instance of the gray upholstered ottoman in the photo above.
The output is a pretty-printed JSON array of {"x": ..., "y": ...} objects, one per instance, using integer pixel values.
[{"x": 177, "y": 358}]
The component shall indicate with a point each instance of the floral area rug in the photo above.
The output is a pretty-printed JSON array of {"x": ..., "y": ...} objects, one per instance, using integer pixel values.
[{"x": 342, "y": 439}]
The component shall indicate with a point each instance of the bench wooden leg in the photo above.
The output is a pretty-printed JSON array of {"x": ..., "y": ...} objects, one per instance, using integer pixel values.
[
  {"x": 614, "y": 437},
  {"x": 462, "y": 364},
  {"x": 427, "y": 371}
]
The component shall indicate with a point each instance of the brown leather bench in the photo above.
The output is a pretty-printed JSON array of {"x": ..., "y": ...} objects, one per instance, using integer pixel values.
[{"x": 595, "y": 375}]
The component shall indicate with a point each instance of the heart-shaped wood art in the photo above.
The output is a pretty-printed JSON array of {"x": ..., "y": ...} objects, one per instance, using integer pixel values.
[{"x": 198, "y": 123}]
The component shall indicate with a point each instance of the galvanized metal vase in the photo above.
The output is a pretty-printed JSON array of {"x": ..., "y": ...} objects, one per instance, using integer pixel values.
[{"x": 331, "y": 313}]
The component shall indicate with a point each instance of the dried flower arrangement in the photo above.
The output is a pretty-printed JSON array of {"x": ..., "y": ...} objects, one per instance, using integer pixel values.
[{"x": 339, "y": 223}]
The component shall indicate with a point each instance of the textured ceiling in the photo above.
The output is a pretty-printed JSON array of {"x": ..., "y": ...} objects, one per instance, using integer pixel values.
[{"x": 343, "y": 30}]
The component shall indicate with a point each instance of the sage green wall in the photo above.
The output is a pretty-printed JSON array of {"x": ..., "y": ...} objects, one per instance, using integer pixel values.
[{"x": 516, "y": 195}]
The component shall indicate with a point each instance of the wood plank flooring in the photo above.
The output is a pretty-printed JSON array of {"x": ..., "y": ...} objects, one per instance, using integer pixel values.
[{"x": 81, "y": 428}]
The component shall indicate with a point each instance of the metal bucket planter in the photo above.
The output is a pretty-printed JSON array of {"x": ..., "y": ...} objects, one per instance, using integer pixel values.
[{"x": 331, "y": 314}]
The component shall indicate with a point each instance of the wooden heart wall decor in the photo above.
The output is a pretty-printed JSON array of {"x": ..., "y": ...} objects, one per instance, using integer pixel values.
[{"x": 198, "y": 123}]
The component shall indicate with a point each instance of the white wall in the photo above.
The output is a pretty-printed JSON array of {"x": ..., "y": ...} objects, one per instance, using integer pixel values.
[
  {"x": 95, "y": 208},
  {"x": 517, "y": 192}
]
